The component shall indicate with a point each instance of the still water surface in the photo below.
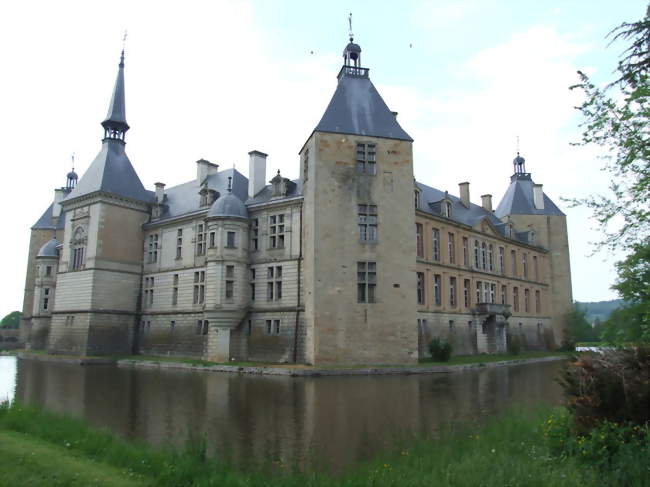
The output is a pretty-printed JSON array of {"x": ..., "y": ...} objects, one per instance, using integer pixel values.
[{"x": 331, "y": 421}]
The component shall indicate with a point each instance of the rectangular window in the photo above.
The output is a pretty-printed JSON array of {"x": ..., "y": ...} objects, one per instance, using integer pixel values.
[
  {"x": 172, "y": 325},
  {"x": 274, "y": 284},
  {"x": 435, "y": 247},
  {"x": 367, "y": 223},
  {"x": 466, "y": 293},
  {"x": 526, "y": 300},
  {"x": 479, "y": 289},
  {"x": 419, "y": 242},
  {"x": 515, "y": 298},
  {"x": 420, "y": 288},
  {"x": 477, "y": 255},
  {"x": 46, "y": 298},
  {"x": 452, "y": 292},
  {"x": 199, "y": 287},
  {"x": 200, "y": 239},
  {"x": 212, "y": 239},
  {"x": 491, "y": 257},
  {"x": 538, "y": 302},
  {"x": 202, "y": 327},
  {"x": 255, "y": 232},
  {"x": 305, "y": 166},
  {"x": 252, "y": 284},
  {"x": 269, "y": 326},
  {"x": 366, "y": 159},
  {"x": 486, "y": 292},
  {"x": 513, "y": 263},
  {"x": 502, "y": 264},
  {"x": 465, "y": 252},
  {"x": 179, "y": 244},
  {"x": 230, "y": 283},
  {"x": 437, "y": 291},
  {"x": 272, "y": 327},
  {"x": 484, "y": 255},
  {"x": 276, "y": 231},
  {"x": 366, "y": 282},
  {"x": 175, "y": 290},
  {"x": 153, "y": 249},
  {"x": 77, "y": 258},
  {"x": 48, "y": 271},
  {"x": 230, "y": 240},
  {"x": 504, "y": 295},
  {"x": 451, "y": 248},
  {"x": 493, "y": 293},
  {"x": 535, "y": 268},
  {"x": 524, "y": 262}
]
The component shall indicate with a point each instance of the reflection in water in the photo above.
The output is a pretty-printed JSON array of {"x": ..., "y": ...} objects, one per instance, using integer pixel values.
[{"x": 331, "y": 421}]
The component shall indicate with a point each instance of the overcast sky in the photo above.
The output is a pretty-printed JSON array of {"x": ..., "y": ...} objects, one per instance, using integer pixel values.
[{"x": 217, "y": 79}]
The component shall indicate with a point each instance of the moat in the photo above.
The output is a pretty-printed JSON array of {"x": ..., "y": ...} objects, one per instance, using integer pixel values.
[{"x": 328, "y": 421}]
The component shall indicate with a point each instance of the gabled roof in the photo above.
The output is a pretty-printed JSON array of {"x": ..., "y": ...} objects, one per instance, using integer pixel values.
[
  {"x": 357, "y": 109},
  {"x": 111, "y": 172},
  {"x": 518, "y": 199}
]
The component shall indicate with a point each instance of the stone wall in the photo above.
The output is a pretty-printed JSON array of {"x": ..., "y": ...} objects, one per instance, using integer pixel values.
[{"x": 183, "y": 338}]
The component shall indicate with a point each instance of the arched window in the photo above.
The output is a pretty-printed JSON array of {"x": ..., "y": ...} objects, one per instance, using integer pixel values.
[{"x": 78, "y": 249}]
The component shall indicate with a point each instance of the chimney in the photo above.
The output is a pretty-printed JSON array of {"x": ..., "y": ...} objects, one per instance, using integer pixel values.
[
  {"x": 59, "y": 193},
  {"x": 160, "y": 192},
  {"x": 486, "y": 202},
  {"x": 463, "y": 188},
  {"x": 204, "y": 169},
  {"x": 256, "y": 172},
  {"x": 538, "y": 197}
]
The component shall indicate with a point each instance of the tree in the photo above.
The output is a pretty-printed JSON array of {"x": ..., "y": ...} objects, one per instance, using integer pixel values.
[
  {"x": 12, "y": 320},
  {"x": 616, "y": 119}
]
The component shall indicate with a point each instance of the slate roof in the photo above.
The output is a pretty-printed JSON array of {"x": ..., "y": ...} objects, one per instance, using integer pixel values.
[
  {"x": 111, "y": 172},
  {"x": 264, "y": 196},
  {"x": 228, "y": 205},
  {"x": 117, "y": 106},
  {"x": 45, "y": 221},
  {"x": 49, "y": 249},
  {"x": 518, "y": 199},
  {"x": 357, "y": 109}
]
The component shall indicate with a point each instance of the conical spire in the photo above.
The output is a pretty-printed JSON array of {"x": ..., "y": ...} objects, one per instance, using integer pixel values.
[{"x": 115, "y": 123}]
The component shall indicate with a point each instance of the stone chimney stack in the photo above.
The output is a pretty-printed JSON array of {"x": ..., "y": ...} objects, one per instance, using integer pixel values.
[
  {"x": 486, "y": 202},
  {"x": 160, "y": 192},
  {"x": 538, "y": 197},
  {"x": 464, "y": 193},
  {"x": 59, "y": 193},
  {"x": 256, "y": 172},
  {"x": 204, "y": 169}
]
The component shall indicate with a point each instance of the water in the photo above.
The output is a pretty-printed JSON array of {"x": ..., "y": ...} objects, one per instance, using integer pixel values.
[{"x": 329, "y": 421}]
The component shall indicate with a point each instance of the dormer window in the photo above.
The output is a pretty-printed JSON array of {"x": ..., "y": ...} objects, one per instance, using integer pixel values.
[
  {"x": 446, "y": 209},
  {"x": 279, "y": 185}
]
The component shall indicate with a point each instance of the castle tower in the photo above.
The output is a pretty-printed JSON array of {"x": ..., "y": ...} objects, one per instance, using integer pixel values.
[
  {"x": 100, "y": 266},
  {"x": 47, "y": 263},
  {"x": 359, "y": 220},
  {"x": 525, "y": 205}
]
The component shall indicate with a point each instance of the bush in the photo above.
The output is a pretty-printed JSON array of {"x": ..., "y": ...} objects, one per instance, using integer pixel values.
[
  {"x": 610, "y": 386},
  {"x": 440, "y": 350},
  {"x": 513, "y": 343}
]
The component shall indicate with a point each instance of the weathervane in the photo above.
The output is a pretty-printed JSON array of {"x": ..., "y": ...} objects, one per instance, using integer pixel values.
[
  {"x": 72, "y": 157},
  {"x": 517, "y": 144},
  {"x": 350, "y": 22}
]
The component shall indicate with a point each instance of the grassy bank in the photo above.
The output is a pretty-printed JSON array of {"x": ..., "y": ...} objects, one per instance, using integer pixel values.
[{"x": 42, "y": 449}]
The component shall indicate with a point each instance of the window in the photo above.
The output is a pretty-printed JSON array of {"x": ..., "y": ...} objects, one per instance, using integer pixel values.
[
  {"x": 77, "y": 258},
  {"x": 153, "y": 249},
  {"x": 366, "y": 282},
  {"x": 252, "y": 284},
  {"x": 479, "y": 288},
  {"x": 417, "y": 198},
  {"x": 305, "y": 166},
  {"x": 435, "y": 240},
  {"x": 172, "y": 325},
  {"x": 200, "y": 239},
  {"x": 202, "y": 327},
  {"x": 524, "y": 262},
  {"x": 486, "y": 292},
  {"x": 366, "y": 159},
  {"x": 502, "y": 264},
  {"x": 230, "y": 240},
  {"x": 46, "y": 298},
  {"x": 491, "y": 257},
  {"x": 538, "y": 302},
  {"x": 527, "y": 300},
  {"x": 452, "y": 292},
  {"x": 79, "y": 241},
  {"x": 466, "y": 293},
  {"x": 48, "y": 271},
  {"x": 276, "y": 231},
  {"x": 419, "y": 242},
  {"x": 212, "y": 240},
  {"x": 175, "y": 290},
  {"x": 437, "y": 292},
  {"x": 451, "y": 248},
  {"x": 484, "y": 255},
  {"x": 513, "y": 263},
  {"x": 515, "y": 298},
  {"x": 477, "y": 255},
  {"x": 148, "y": 291},
  {"x": 199, "y": 287},
  {"x": 465, "y": 252},
  {"x": 274, "y": 284},
  {"x": 249, "y": 328},
  {"x": 255, "y": 231},
  {"x": 535, "y": 268},
  {"x": 493, "y": 293},
  {"x": 447, "y": 209},
  {"x": 451, "y": 324},
  {"x": 230, "y": 283},
  {"x": 504, "y": 295},
  {"x": 420, "y": 288},
  {"x": 367, "y": 223},
  {"x": 272, "y": 327},
  {"x": 179, "y": 244}
]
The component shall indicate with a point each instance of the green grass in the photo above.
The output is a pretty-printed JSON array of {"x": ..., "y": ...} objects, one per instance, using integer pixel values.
[
  {"x": 589, "y": 344},
  {"x": 484, "y": 358},
  {"x": 37, "y": 447}
]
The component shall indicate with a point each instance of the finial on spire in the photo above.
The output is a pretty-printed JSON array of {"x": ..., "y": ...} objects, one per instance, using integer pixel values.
[
  {"x": 350, "y": 23},
  {"x": 72, "y": 160},
  {"x": 123, "y": 47},
  {"x": 71, "y": 178},
  {"x": 230, "y": 184}
]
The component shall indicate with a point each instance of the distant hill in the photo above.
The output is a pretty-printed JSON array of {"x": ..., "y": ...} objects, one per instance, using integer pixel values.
[{"x": 599, "y": 309}]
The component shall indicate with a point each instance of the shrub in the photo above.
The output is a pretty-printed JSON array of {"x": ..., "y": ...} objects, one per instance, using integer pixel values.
[
  {"x": 440, "y": 350},
  {"x": 513, "y": 344},
  {"x": 610, "y": 386}
]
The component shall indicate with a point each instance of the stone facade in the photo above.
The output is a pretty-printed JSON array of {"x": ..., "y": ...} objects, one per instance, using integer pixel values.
[{"x": 353, "y": 263}]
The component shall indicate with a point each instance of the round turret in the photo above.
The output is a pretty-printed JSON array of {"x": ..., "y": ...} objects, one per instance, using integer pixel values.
[
  {"x": 49, "y": 249},
  {"x": 228, "y": 206}
]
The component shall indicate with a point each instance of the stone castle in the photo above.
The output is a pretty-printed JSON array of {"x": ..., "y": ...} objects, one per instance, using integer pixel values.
[{"x": 354, "y": 262}]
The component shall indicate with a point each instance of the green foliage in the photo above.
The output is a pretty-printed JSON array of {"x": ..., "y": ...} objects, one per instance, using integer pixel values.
[
  {"x": 609, "y": 386},
  {"x": 513, "y": 343},
  {"x": 12, "y": 320},
  {"x": 440, "y": 350},
  {"x": 579, "y": 329},
  {"x": 599, "y": 310}
]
